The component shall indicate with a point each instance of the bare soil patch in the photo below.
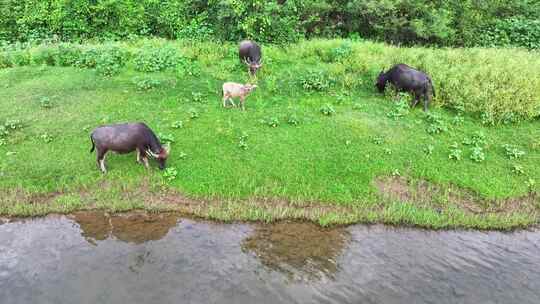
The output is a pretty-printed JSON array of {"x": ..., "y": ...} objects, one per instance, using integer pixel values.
[{"x": 427, "y": 194}]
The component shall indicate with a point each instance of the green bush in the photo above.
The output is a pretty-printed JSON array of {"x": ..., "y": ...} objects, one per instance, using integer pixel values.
[
  {"x": 154, "y": 59},
  {"x": 89, "y": 58},
  {"x": 145, "y": 83},
  {"x": 110, "y": 60},
  {"x": 466, "y": 22},
  {"x": 512, "y": 32},
  {"x": 67, "y": 55},
  {"x": 316, "y": 81},
  {"x": 5, "y": 60},
  {"x": 45, "y": 54},
  {"x": 20, "y": 57}
]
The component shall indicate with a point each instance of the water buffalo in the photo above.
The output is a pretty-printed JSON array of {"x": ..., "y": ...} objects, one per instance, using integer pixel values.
[
  {"x": 250, "y": 54},
  {"x": 126, "y": 138},
  {"x": 406, "y": 79},
  {"x": 233, "y": 89}
]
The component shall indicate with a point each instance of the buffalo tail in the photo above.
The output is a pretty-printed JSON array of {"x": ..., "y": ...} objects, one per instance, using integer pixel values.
[{"x": 93, "y": 144}]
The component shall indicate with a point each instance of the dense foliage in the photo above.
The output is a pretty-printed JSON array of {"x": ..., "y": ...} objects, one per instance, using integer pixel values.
[{"x": 439, "y": 22}]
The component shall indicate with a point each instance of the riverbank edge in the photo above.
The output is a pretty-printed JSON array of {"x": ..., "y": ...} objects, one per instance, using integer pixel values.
[{"x": 263, "y": 210}]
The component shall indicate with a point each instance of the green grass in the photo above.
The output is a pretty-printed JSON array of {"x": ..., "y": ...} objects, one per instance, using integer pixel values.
[{"x": 322, "y": 168}]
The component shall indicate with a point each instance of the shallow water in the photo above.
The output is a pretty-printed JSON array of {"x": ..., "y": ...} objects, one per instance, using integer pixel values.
[{"x": 142, "y": 258}]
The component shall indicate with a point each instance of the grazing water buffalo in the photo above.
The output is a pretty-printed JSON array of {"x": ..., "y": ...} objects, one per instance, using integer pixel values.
[
  {"x": 233, "y": 89},
  {"x": 126, "y": 138},
  {"x": 250, "y": 54},
  {"x": 406, "y": 79}
]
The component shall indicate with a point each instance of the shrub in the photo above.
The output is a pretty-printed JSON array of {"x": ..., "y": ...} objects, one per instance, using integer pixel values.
[
  {"x": 67, "y": 55},
  {"x": 166, "y": 139},
  {"x": 7, "y": 128},
  {"x": 20, "y": 57},
  {"x": 429, "y": 149},
  {"x": 458, "y": 120},
  {"x": 522, "y": 32},
  {"x": 170, "y": 173},
  {"x": 400, "y": 109},
  {"x": 110, "y": 61},
  {"x": 271, "y": 121},
  {"x": 146, "y": 83},
  {"x": 177, "y": 124},
  {"x": 336, "y": 54},
  {"x": 12, "y": 125},
  {"x": 4, "y": 132},
  {"x": 455, "y": 154},
  {"x": 5, "y": 60},
  {"x": 89, "y": 58},
  {"x": 478, "y": 139},
  {"x": 154, "y": 59},
  {"x": 518, "y": 169},
  {"x": 327, "y": 110},
  {"x": 513, "y": 152},
  {"x": 45, "y": 54},
  {"x": 45, "y": 102},
  {"x": 197, "y": 28},
  {"x": 186, "y": 67},
  {"x": 47, "y": 138},
  {"x": 193, "y": 114},
  {"x": 466, "y": 22},
  {"x": 293, "y": 120},
  {"x": 477, "y": 154},
  {"x": 316, "y": 81},
  {"x": 198, "y": 97},
  {"x": 436, "y": 124},
  {"x": 243, "y": 141},
  {"x": 378, "y": 140}
]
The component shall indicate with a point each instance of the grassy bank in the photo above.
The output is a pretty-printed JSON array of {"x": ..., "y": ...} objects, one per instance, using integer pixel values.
[{"x": 369, "y": 160}]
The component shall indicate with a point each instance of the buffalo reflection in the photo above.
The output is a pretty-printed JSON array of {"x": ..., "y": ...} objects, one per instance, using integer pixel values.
[
  {"x": 136, "y": 228},
  {"x": 299, "y": 250}
]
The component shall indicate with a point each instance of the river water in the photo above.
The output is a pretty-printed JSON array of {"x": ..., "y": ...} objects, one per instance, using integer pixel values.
[{"x": 93, "y": 258}]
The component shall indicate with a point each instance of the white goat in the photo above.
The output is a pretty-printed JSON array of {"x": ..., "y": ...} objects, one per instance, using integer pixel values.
[{"x": 232, "y": 89}]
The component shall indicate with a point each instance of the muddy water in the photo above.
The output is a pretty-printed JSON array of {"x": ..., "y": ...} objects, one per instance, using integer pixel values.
[{"x": 141, "y": 258}]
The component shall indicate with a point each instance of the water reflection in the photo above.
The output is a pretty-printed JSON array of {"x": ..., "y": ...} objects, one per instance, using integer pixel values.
[
  {"x": 48, "y": 261},
  {"x": 302, "y": 251},
  {"x": 137, "y": 227}
]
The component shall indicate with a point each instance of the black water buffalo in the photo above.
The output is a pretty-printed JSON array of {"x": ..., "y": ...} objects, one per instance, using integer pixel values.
[
  {"x": 126, "y": 138},
  {"x": 406, "y": 79},
  {"x": 250, "y": 54}
]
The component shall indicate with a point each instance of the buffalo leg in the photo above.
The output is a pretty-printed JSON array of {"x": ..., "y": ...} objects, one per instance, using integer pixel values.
[
  {"x": 232, "y": 102},
  {"x": 225, "y": 97},
  {"x": 145, "y": 160},
  {"x": 242, "y": 100},
  {"x": 101, "y": 160},
  {"x": 138, "y": 156},
  {"x": 416, "y": 100},
  {"x": 427, "y": 99}
]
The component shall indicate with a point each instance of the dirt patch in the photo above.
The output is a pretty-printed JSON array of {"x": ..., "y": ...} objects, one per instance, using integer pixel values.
[
  {"x": 19, "y": 195},
  {"x": 427, "y": 194},
  {"x": 158, "y": 196}
]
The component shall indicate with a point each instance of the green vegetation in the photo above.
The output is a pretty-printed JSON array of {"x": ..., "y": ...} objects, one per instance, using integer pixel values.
[
  {"x": 433, "y": 22},
  {"x": 316, "y": 140}
]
